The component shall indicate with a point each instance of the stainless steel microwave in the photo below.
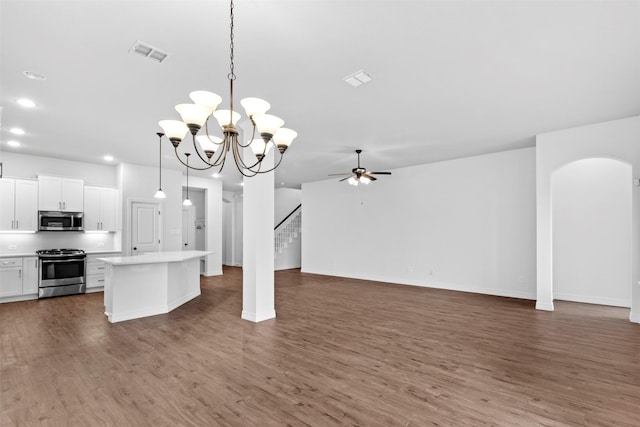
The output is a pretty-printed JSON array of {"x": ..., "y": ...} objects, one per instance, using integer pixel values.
[{"x": 60, "y": 221}]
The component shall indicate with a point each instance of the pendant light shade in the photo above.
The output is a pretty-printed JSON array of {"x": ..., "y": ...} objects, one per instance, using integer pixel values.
[
  {"x": 253, "y": 106},
  {"x": 174, "y": 129},
  {"x": 206, "y": 99}
]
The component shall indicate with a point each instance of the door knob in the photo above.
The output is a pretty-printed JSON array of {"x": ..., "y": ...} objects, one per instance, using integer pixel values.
[{"x": 135, "y": 249}]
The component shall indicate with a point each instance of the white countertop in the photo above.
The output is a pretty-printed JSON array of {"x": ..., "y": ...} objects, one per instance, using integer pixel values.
[
  {"x": 26, "y": 254},
  {"x": 17, "y": 254},
  {"x": 155, "y": 257}
]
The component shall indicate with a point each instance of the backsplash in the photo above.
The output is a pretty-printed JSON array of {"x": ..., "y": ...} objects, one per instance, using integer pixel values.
[{"x": 24, "y": 243}]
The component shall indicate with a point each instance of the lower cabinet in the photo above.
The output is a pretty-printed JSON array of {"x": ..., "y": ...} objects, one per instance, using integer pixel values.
[
  {"x": 18, "y": 278},
  {"x": 10, "y": 277},
  {"x": 95, "y": 271}
]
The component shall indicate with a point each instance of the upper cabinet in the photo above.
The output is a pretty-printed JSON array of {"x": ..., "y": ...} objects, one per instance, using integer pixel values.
[
  {"x": 60, "y": 194},
  {"x": 100, "y": 208},
  {"x": 19, "y": 207}
]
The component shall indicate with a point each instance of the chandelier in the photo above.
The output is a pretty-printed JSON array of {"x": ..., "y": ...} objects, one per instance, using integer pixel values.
[{"x": 195, "y": 116}]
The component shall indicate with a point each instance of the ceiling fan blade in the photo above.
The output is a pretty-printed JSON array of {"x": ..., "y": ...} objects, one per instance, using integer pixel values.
[
  {"x": 339, "y": 174},
  {"x": 346, "y": 177},
  {"x": 372, "y": 178},
  {"x": 380, "y": 173}
]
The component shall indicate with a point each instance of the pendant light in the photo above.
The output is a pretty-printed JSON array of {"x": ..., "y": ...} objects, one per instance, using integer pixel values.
[
  {"x": 160, "y": 194},
  {"x": 187, "y": 202}
]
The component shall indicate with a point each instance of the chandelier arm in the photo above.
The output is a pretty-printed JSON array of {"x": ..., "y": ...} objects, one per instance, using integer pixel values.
[
  {"x": 189, "y": 166},
  {"x": 224, "y": 158},
  {"x": 195, "y": 148},
  {"x": 239, "y": 160},
  {"x": 273, "y": 168},
  {"x": 240, "y": 165},
  {"x": 206, "y": 129}
]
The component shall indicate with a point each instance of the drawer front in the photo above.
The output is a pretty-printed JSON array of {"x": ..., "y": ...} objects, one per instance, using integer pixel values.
[
  {"x": 97, "y": 267},
  {"x": 95, "y": 281},
  {"x": 10, "y": 262}
]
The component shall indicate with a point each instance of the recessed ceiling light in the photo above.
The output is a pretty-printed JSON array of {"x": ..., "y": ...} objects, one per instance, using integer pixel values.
[
  {"x": 26, "y": 103},
  {"x": 13, "y": 143},
  {"x": 16, "y": 131},
  {"x": 108, "y": 158},
  {"x": 358, "y": 78},
  {"x": 34, "y": 76}
]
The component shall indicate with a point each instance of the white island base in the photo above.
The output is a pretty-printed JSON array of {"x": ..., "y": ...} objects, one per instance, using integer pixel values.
[{"x": 150, "y": 284}]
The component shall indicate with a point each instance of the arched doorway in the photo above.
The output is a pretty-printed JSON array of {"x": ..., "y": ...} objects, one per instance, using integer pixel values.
[{"x": 591, "y": 223}]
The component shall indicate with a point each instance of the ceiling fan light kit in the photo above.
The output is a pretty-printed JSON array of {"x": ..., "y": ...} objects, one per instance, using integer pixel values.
[
  {"x": 359, "y": 174},
  {"x": 196, "y": 116}
]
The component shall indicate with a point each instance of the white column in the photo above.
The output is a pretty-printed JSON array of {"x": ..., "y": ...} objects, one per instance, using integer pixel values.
[{"x": 258, "y": 295}]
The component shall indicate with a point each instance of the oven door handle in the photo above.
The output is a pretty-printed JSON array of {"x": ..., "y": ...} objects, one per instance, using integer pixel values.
[{"x": 61, "y": 260}]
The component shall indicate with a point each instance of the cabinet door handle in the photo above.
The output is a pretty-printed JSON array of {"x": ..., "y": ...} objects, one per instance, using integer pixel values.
[
  {"x": 17, "y": 224},
  {"x": 20, "y": 274},
  {"x": 12, "y": 225},
  {"x": 64, "y": 205}
]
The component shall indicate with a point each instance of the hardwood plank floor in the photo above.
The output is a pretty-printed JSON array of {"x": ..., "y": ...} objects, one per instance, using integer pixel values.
[{"x": 341, "y": 352}]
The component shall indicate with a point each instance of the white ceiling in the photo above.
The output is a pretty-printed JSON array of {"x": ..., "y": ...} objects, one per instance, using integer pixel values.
[{"x": 451, "y": 79}]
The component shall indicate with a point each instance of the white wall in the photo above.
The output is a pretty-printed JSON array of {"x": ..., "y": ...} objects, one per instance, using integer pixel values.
[
  {"x": 140, "y": 183},
  {"x": 591, "y": 216},
  {"x": 227, "y": 228},
  {"x": 212, "y": 200},
  {"x": 286, "y": 200},
  {"x": 24, "y": 166},
  {"x": 619, "y": 140},
  {"x": 466, "y": 224},
  {"x": 29, "y": 167}
]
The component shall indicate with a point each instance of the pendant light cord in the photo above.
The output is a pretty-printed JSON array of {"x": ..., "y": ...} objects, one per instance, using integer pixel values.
[{"x": 160, "y": 135}]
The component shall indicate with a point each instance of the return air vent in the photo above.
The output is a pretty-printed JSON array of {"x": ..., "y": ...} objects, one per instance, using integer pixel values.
[
  {"x": 147, "y": 51},
  {"x": 358, "y": 78}
]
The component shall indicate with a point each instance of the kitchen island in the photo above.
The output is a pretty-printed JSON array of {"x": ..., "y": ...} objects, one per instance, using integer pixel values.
[{"x": 150, "y": 284}]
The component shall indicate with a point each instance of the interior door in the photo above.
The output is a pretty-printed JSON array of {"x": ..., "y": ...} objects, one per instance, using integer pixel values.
[{"x": 145, "y": 227}]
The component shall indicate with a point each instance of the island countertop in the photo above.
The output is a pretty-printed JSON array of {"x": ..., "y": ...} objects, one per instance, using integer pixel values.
[{"x": 155, "y": 257}]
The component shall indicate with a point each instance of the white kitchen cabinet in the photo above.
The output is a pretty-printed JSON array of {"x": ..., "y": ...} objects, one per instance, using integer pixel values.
[
  {"x": 19, "y": 207},
  {"x": 10, "y": 277},
  {"x": 95, "y": 271},
  {"x": 60, "y": 194},
  {"x": 100, "y": 208},
  {"x": 29, "y": 275}
]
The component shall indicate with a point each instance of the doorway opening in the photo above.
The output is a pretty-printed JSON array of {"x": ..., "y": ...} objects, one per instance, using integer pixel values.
[{"x": 591, "y": 217}]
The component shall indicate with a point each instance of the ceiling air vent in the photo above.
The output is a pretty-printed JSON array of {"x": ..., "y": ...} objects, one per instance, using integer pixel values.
[
  {"x": 147, "y": 51},
  {"x": 358, "y": 78}
]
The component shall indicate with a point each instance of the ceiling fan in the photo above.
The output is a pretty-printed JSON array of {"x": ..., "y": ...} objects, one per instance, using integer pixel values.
[{"x": 359, "y": 174}]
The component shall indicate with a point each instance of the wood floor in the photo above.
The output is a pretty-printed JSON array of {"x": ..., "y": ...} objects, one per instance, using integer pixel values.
[{"x": 341, "y": 352}]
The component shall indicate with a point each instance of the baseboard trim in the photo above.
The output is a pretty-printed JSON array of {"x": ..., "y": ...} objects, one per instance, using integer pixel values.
[
  {"x": 546, "y": 306},
  {"x": 586, "y": 299},
  {"x": 634, "y": 316},
  {"x": 508, "y": 293},
  {"x": 255, "y": 317}
]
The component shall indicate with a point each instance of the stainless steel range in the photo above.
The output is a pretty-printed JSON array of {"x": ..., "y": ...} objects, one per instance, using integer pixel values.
[{"x": 61, "y": 272}]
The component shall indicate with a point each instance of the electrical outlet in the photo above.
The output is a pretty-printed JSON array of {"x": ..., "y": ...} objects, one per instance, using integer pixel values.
[
  {"x": 520, "y": 279},
  {"x": 410, "y": 269}
]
